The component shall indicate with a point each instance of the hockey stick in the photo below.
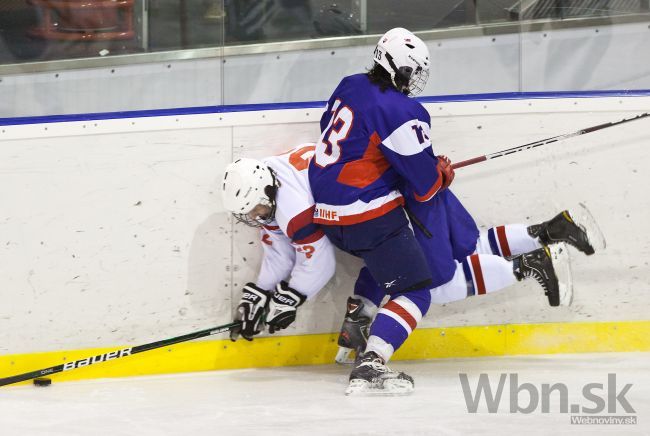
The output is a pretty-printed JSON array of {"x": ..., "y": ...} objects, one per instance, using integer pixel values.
[
  {"x": 116, "y": 354},
  {"x": 541, "y": 142}
]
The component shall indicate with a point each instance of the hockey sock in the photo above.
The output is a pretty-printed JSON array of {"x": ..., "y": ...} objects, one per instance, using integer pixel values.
[
  {"x": 506, "y": 241},
  {"x": 487, "y": 273},
  {"x": 478, "y": 274},
  {"x": 396, "y": 320}
]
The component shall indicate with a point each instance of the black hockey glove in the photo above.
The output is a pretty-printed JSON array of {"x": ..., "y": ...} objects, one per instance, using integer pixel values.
[
  {"x": 251, "y": 311},
  {"x": 282, "y": 308}
]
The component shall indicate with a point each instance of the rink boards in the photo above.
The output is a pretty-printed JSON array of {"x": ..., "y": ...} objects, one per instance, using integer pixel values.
[{"x": 113, "y": 233}]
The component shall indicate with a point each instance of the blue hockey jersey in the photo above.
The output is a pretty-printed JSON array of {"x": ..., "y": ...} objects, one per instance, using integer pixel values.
[{"x": 371, "y": 141}]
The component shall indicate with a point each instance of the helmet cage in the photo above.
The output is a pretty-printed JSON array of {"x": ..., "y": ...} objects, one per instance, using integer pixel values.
[
  {"x": 405, "y": 79},
  {"x": 271, "y": 192}
]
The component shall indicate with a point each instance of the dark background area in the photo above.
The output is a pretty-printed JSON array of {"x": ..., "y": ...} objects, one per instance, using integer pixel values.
[{"x": 183, "y": 24}]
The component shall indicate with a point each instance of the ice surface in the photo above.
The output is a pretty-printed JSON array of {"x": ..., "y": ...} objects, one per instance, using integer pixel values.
[{"x": 310, "y": 400}]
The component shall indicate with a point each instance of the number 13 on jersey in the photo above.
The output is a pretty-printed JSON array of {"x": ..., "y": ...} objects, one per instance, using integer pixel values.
[{"x": 328, "y": 149}]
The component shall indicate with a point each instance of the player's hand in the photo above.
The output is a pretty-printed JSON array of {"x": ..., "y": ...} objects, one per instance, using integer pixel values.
[
  {"x": 251, "y": 310},
  {"x": 282, "y": 308},
  {"x": 447, "y": 171}
]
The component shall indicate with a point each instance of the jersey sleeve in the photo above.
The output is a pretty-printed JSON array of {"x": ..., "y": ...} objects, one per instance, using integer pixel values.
[
  {"x": 314, "y": 266},
  {"x": 307, "y": 267},
  {"x": 278, "y": 260},
  {"x": 408, "y": 149}
]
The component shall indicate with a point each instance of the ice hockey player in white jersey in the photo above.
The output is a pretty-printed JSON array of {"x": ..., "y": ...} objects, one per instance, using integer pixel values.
[{"x": 273, "y": 194}]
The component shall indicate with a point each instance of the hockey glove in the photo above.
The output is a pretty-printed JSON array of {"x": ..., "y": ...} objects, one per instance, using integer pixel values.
[
  {"x": 251, "y": 311},
  {"x": 447, "y": 171},
  {"x": 282, "y": 308}
]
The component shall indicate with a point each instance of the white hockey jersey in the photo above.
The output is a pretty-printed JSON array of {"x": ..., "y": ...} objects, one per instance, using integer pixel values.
[{"x": 295, "y": 249}]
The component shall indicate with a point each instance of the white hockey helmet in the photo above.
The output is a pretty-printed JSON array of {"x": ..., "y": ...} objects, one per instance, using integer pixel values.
[
  {"x": 406, "y": 58},
  {"x": 247, "y": 183}
]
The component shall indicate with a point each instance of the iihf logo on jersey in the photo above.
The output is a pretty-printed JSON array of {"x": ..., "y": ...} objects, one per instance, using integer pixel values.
[{"x": 324, "y": 214}]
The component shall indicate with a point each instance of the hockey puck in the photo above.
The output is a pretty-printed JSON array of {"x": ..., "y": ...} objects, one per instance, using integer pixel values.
[{"x": 42, "y": 382}]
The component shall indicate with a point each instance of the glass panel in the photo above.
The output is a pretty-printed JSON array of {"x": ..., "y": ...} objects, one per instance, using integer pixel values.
[
  {"x": 41, "y": 30},
  {"x": 36, "y": 30},
  {"x": 490, "y": 46},
  {"x": 185, "y": 24},
  {"x": 588, "y": 52},
  {"x": 563, "y": 9}
]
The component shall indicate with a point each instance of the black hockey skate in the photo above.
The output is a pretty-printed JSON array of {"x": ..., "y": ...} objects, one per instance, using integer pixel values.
[
  {"x": 562, "y": 228},
  {"x": 538, "y": 264},
  {"x": 371, "y": 376},
  {"x": 354, "y": 332}
]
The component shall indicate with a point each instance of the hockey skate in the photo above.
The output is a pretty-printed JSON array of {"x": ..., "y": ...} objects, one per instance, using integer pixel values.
[
  {"x": 371, "y": 376},
  {"x": 562, "y": 265},
  {"x": 582, "y": 233},
  {"x": 354, "y": 333},
  {"x": 543, "y": 265}
]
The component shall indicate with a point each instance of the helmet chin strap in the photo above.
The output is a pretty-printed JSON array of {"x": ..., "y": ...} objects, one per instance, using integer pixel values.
[
  {"x": 271, "y": 192},
  {"x": 397, "y": 72}
]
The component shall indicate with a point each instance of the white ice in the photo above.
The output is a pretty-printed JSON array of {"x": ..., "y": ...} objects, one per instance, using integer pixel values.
[{"x": 310, "y": 400}]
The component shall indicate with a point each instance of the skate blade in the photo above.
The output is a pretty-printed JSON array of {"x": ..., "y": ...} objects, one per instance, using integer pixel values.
[
  {"x": 345, "y": 356},
  {"x": 562, "y": 266},
  {"x": 389, "y": 388},
  {"x": 584, "y": 219}
]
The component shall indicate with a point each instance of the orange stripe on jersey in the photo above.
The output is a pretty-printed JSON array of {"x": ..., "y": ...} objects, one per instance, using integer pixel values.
[
  {"x": 365, "y": 171},
  {"x": 303, "y": 219},
  {"x": 436, "y": 186},
  {"x": 271, "y": 227},
  {"x": 478, "y": 273},
  {"x": 402, "y": 313},
  {"x": 364, "y": 216},
  {"x": 311, "y": 238},
  {"x": 503, "y": 241}
]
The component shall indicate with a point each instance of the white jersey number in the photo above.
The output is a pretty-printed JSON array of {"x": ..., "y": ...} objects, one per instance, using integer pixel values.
[{"x": 328, "y": 149}]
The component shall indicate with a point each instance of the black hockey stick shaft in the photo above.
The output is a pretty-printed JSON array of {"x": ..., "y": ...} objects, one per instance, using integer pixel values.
[
  {"x": 541, "y": 142},
  {"x": 124, "y": 352}
]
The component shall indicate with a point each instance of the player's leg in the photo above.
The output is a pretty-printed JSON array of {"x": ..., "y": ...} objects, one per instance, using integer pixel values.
[
  {"x": 481, "y": 274},
  {"x": 513, "y": 239},
  {"x": 360, "y": 310},
  {"x": 392, "y": 326},
  {"x": 396, "y": 320},
  {"x": 461, "y": 227},
  {"x": 507, "y": 241},
  {"x": 397, "y": 264}
]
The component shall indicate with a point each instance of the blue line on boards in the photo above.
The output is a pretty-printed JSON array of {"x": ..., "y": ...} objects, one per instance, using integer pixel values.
[{"x": 309, "y": 105}]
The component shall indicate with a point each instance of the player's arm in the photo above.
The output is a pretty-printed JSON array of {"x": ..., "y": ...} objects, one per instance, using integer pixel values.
[
  {"x": 408, "y": 149},
  {"x": 313, "y": 267},
  {"x": 278, "y": 259},
  {"x": 277, "y": 262}
]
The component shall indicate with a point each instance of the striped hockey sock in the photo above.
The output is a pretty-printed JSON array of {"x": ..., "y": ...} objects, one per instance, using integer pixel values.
[
  {"x": 487, "y": 273},
  {"x": 396, "y": 320},
  {"x": 506, "y": 241}
]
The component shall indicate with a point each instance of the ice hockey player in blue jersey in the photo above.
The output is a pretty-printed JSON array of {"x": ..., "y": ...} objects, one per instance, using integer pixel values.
[
  {"x": 374, "y": 155},
  {"x": 374, "y": 140}
]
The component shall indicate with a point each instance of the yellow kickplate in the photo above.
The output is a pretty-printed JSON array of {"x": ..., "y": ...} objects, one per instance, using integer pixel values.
[{"x": 426, "y": 343}]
